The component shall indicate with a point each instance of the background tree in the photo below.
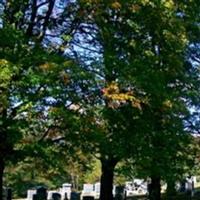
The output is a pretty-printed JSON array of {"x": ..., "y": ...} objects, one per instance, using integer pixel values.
[
  {"x": 22, "y": 91},
  {"x": 34, "y": 37},
  {"x": 27, "y": 73}
]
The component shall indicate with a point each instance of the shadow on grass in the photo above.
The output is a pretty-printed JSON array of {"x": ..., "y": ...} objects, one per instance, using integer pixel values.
[{"x": 177, "y": 197}]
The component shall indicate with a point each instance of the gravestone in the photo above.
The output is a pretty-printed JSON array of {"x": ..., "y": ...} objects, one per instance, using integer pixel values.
[
  {"x": 88, "y": 198},
  {"x": 189, "y": 186},
  {"x": 41, "y": 194},
  {"x": 119, "y": 193},
  {"x": 74, "y": 196},
  {"x": 66, "y": 191},
  {"x": 182, "y": 186},
  {"x": 56, "y": 196},
  {"x": 34, "y": 197},
  {"x": 30, "y": 194}
]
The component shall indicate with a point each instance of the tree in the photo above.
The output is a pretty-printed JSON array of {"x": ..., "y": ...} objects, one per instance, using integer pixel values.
[
  {"x": 24, "y": 72},
  {"x": 129, "y": 67},
  {"x": 27, "y": 73},
  {"x": 144, "y": 56},
  {"x": 48, "y": 166},
  {"x": 26, "y": 26}
]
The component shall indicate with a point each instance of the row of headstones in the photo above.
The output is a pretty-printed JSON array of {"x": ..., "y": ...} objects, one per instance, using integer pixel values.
[{"x": 41, "y": 194}]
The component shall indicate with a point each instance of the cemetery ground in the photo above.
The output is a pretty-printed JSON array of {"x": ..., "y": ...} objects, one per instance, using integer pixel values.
[
  {"x": 180, "y": 196},
  {"x": 177, "y": 197}
]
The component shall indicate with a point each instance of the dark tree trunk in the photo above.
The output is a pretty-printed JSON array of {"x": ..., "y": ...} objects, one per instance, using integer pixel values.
[
  {"x": 1, "y": 178},
  {"x": 154, "y": 189},
  {"x": 107, "y": 170}
]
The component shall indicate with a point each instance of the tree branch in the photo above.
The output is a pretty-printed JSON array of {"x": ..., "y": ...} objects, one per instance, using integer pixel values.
[{"x": 32, "y": 20}]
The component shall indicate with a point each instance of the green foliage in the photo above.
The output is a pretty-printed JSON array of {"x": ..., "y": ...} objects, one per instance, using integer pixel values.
[
  {"x": 93, "y": 175},
  {"x": 144, "y": 46},
  {"x": 29, "y": 75},
  {"x": 126, "y": 96}
]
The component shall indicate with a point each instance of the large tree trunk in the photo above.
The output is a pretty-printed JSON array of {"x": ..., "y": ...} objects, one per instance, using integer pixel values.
[
  {"x": 107, "y": 170},
  {"x": 2, "y": 165},
  {"x": 154, "y": 189}
]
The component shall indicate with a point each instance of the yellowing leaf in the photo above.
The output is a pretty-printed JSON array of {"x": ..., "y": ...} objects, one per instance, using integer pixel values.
[
  {"x": 135, "y": 8},
  {"x": 6, "y": 73},
  {"x": 112, "y": 92},
  {"x": 65, "y": 77},
  {"x": 145, "y": 2},
  {"x": 167, "y": 104},
  {"x": 116, "y": 5},
  {"x": 168, "y": 3},
  {"x": 47, "y": 66}
]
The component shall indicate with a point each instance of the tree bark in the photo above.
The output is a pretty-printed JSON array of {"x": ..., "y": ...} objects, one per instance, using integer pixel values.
[
  {"x": 2, "y": 165},
  {"x": 154, "y": 189},
  {"x": 107, "y": 170}
]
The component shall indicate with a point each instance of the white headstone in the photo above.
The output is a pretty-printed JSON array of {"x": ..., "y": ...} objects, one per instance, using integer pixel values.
[
  {"x": 30, "y": 194},
  {"x": 87, "y": 188},
  {"x": 50, "y": 194},
  {"x": 97, "y": 187},
  {"x": 66, "y": 190}
]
